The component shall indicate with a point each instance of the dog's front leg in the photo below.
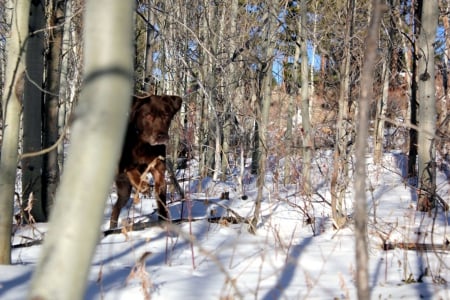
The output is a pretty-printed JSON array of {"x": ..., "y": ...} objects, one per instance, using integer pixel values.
[
  {"x": 138, "y": 181},
  {"x": 158, "y": 172}
]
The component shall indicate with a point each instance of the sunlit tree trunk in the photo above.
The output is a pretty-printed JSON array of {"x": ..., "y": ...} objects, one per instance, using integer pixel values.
[
  {"x": 314, "y": 50},
  {"x": 292, "y": 81},
  {"x": 230, "y": 95},
  {"x": 445, "y": 100},
  {"x": 140, "y": 36},
  {"x": 168, "y": 52},
  {"x": 306, "y": 123},
  {"x": 151, "y": 84},
  {"x": 207, "y": 117},
  {"x": 50, "y": 175},
  {"x": 64, "y": 84},
  {"x": 381, "y": 113},
  {"x": 238, "y": 97},
  {"x": 427, "y": 109},
  {"x": 381, "y": 104},
  {"x": 211, "y": 31},
  {"x": 362, "y": 134},
  {"x": 265, "y": 97},
  {"x": 340, "y": 176},
  {"x": 293, "y": 93},
  {"x": 97, "y": 134},
  {"x": 177, "y": 129},
  {"x": 406, "y": 44},
  {"x": 2, "y": 79},
  {"x": 226, "y": 133},
  {"x": 11, "y": 106},
  {"x": 215, "y": 19}
]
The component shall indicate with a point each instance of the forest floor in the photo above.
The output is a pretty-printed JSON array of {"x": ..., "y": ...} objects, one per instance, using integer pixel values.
[{"x": 296, "y": 252}]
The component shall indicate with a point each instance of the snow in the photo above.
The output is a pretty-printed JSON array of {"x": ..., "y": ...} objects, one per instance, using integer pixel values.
[{"x": 295, "y": 254}]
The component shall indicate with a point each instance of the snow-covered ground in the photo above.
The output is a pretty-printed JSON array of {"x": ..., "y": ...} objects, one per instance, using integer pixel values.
[{"x": 295, "y": 254}]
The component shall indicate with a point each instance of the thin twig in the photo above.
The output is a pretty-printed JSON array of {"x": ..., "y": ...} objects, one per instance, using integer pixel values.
[{"x": 46, "y": 150}]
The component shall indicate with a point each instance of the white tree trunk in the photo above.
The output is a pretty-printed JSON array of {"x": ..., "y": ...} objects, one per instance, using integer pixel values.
[
  {"x": 344, "y": 131},
  {"x": 381, "y": 113},
  {"x": 314, "y": 49},
  {"x": 444, "y": 106},
  {"x": 427, "y": 109},
  {"x": 367, "y": 79},
  {"x": 306, "y": 122},
  {"x": 11, "y": 105},
  {"x": 292, "y": 109},
  {"x": 64, "y": 89},
  {"x": 51, "y": 172},
  {"x": 265, "y": 95},
  {"x": 97, "y": 132}
]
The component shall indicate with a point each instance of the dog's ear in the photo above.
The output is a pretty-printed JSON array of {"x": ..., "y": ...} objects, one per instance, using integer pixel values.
[
  {"x": 137, "y": 103},
  {"x": 174, "y": 102}
]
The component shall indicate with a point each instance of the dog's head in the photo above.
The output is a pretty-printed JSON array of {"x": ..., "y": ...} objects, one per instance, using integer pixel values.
[{"x": 151, "y": 117}]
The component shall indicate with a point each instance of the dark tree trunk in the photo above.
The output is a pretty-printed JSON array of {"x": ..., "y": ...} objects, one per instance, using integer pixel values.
[
  {"x": 32, "y": 167},
  {"x": 50, "y": 176}
]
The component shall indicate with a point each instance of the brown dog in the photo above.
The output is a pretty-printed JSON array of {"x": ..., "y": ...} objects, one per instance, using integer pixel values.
[{"x": 144, "y": 150}]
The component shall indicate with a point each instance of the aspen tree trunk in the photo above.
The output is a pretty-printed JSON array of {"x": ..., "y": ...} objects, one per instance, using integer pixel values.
[
  {"x": 32, "y": 167},
  {"x": 405, "y": 42},
  {"x": 226, "y": 132},
  {"x": 11, "y": 107},
  {"x": 211, "y": 79},
  {"x": 166, "y": 62},
  {"x": 219, "y": 100},
  {"x": 314, "y": 50},
  {"x": 381, "y": 113},
  {"x": 265, "y": 97},
  {"x": 2, "y": 81},
  {"x": 140, "y": 38},
  {"x": 210, "y": 128},
  {"x": 150, "y": 33},
  {"x": 177, "y": 128},
  {"x": 367, "y": 80},
  {"x": 323, "y": 72},
  {"x": 306, "y": 123},
  {"x": 97, "y": 135},
  {"x": 445, "y": 100},
  {"x": 64, "y": 89},
  {"x": 75, "y": 56},
  {"x": 427, "y": 110},
  {"x": 237, "y": 93},
  {"x": 381, "y": 104},
  {"x": 231, "y": 80},
  {"x": 50, "y": 175},
  {"x": 339, "y": 178},
  {"x": 204, "y": 121},
  {"x": 288, "y": 178}
]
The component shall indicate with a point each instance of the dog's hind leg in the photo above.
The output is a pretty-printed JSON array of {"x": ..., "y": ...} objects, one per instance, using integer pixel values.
[{"x": 123, "y": 186}]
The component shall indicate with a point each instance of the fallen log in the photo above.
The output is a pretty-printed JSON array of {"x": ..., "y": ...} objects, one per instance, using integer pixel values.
[
  {"x": 144, "y": 225},
  {"x": 417, "y": 246}
]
